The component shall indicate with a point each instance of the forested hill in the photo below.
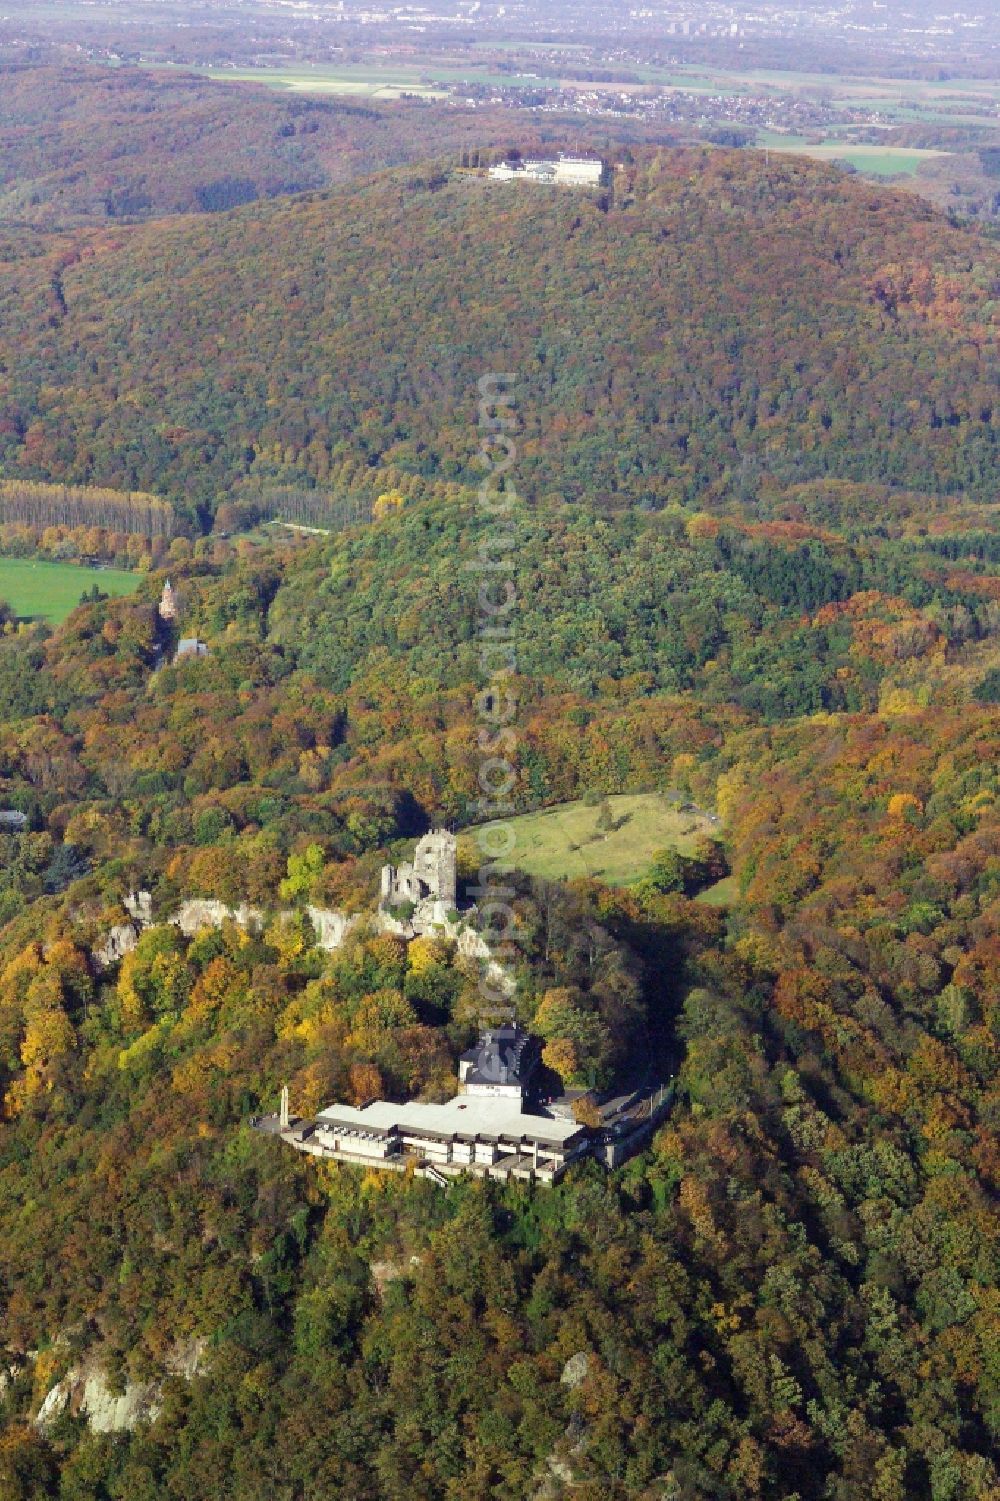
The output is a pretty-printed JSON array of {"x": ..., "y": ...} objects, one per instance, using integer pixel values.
[
  {"x": 92, "y": 145},
  {"x": 720, "y": 329},
  {"x": 790, "y": 1297}
]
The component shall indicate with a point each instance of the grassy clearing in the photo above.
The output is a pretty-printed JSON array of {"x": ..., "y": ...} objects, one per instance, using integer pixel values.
[
  {"x": 883, "y": 161},
  {"x": 49, "y": 591},
  {"x": 364, "y": 82},
  {"x": 565, "y": 843},
  {"x": 723, "y": 894}
]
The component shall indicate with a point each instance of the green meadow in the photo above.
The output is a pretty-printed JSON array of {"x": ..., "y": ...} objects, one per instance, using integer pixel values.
[
  {"x": 50, "y": 591},
  {"x": 363, "y": 81},
  {"x": 882, "y": 161},
  {"x": 565, "y": 843}
]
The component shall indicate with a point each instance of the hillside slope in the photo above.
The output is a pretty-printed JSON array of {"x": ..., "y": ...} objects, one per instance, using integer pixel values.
[
  {"x": 790, "y": 1296},
  {"x": 95, "y": 145},
  {"x": 726, "y": 329}
]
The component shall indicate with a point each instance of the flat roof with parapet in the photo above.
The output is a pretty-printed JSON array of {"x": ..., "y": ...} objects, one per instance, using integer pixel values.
[{"x": 464, "y": 1116}]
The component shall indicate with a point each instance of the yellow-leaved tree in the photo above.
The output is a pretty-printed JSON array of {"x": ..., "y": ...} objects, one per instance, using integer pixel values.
[
  {"x": 560, "y": 1056},
  {"x": 388, "y": 503}
]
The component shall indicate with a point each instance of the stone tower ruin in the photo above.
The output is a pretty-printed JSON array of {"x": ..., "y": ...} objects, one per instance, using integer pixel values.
[{"x": 429, "y": 884}]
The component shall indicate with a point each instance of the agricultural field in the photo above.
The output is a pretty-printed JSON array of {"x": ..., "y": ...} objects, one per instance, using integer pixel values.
[
  {"x": 49, "y": 591},
  {"x": 900, "y": 100},
  {"x": 361, "y": 81},
  {"x": 564, "y": 843},
  {"x": 882, "y": 161}
]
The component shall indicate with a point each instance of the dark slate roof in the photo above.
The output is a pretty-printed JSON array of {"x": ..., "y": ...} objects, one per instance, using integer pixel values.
[{"x": 504, "y": 1055}]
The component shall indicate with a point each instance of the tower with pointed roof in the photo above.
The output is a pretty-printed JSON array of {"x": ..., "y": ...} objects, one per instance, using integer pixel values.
[{"x": 167, "y": 608}]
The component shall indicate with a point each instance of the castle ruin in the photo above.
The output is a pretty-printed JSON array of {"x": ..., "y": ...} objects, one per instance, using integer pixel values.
[{"x": 429, "y": 885}]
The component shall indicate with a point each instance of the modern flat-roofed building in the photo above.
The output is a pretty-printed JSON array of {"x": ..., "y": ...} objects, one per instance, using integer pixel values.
[
  {"x": 540, "y": 171},
  {"x": 484, "y": 1134},
  {"x": 564, "y": 171},
  {"x": 488, "y": 1135},
  {"x": 579, "y": 171}
]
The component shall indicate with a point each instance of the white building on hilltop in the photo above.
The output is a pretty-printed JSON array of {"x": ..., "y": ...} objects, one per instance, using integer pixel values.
[
  {"x": 491, "y": 1137},
  {"x": 579, "y": 171},
  {"x": 564, "y": 171}
]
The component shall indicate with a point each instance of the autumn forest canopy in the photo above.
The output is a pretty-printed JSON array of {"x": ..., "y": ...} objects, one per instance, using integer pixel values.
[
  {"x": 757, "y": 576},
  {"x": 719, "y": 330}
]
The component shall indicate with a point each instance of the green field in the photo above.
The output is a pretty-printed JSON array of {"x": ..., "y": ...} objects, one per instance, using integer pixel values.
[
  {"x": 564, "y": 843},
  {"x": 361, "y": 80},
  {"x": 883, "y": 161},
  {"x": 723, "y": 894},
  {"x": 50, "y": 591}
]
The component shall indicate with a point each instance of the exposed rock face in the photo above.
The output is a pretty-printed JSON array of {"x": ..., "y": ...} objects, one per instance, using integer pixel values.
[
  {"x": 139, "y": 906},
  {"x": 188, "y": 1359},
  {"x": 88, "y": 1392},
  {"x": 384, "y": 1272},
  {"x": 85, "y": 1390},
  {"x": 118, "y": 942},
  {"x": 469, "y": 943},
  {"x": 433, "y": 880},
  {"x": 201, "y": 913},
  {"x": 55, "y": 1402},
  {"x": 429, "y": 916},
  {"x": 330, "y": 927},
  {"x": 108, "y": 1413},
  {"x": 384, "y": 923},
  {"x": 575, "y": 1370},
  {"x": 474, "y": 946}
]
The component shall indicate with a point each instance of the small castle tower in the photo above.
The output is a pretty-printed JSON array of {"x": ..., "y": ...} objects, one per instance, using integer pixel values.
[
  {"x": 435, "y": 862},
  {"x": 167, "y": 608}
]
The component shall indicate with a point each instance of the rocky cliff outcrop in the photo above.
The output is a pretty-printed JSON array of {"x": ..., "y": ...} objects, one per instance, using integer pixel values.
[
  {"x": 200, "y": 912},
  {"x": 329, "y": 926},
  {"x": 86, "y": 1392},
  {"x": 118, "y": 941},
  {"x": 193, "y": 916}
]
